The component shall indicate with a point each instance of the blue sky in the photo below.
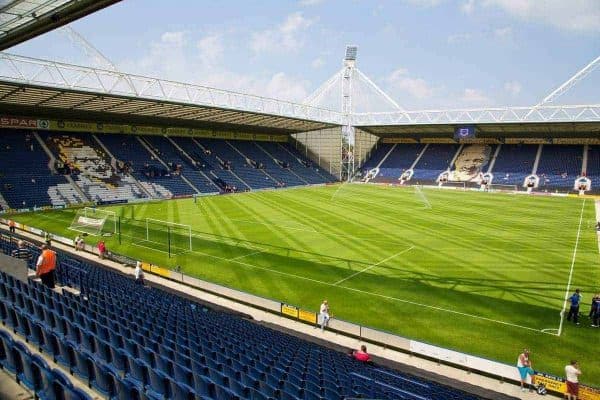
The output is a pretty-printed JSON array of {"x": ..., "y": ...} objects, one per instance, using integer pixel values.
[{"x": 424, "y": 53}]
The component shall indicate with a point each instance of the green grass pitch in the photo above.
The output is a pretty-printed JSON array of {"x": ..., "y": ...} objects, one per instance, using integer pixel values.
[{"x": 482, "y": 273}]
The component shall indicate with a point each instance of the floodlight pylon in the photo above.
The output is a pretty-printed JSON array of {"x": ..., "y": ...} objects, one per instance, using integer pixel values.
[{"x": 350, "y": 91}]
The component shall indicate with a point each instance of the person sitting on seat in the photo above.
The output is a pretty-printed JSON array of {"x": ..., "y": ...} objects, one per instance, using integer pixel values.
[{"x": 361, "y": 355}]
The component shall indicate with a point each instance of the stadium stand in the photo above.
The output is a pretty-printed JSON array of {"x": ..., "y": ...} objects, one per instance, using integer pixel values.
[
  {"x": 559, "y": 166},
  {"x": 280, "y": 172},
  {"x": 90, "y": 167},
  {"x": 150, "y": 172},
  {"x": 593, "y": 167},
  {"x": 30, "y": 184},
  {"x": 398, "y": 161},
  {"x": 376, "y": 156},
  {"x": 173, "y": 157},
  {"x": 224, "y": 152},
  {"x": 298, "y": 163},
  {"x": 133, "y": 342},
  {"x": 435, "y": 160},
  {"x": 514, "y": 163}
]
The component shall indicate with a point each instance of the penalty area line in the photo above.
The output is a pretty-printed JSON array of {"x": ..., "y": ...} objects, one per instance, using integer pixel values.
[
  {"x": 374, "y": 265},
  {"x": 374, "y": 294}
]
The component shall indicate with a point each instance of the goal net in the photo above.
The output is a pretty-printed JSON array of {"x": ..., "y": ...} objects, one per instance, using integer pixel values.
[
  {"x": 165, "y": 236},
  {"x": 506, "y": 188},
  {"x": 95, "y": 221}
]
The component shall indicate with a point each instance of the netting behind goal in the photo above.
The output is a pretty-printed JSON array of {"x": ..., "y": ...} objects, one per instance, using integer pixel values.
[
  {"x": 508, "y": 188},
  {"x": 165, "y": 236},
  {"x": 94, "y": 221}
]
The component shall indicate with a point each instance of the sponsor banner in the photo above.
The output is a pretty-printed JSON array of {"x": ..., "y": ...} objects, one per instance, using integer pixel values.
[
  {"x": 559, "y": 385},
  {"x": 437, "y": 140},
  {"x": 288, "y": 310},
  {"x": 18, "y": 122},
  {"x": 525, "y": 141},
  {"x": 101, "y": 127},
  {"x": 552, "y": 383},
  {"x": 107, "y": 202},
  {"x": 399, "y": 140},
  {"x": 307, "y": 316},
  {"x": 160, "y": 271}
]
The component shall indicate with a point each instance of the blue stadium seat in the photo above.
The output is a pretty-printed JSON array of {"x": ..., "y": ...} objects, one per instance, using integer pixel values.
[
  {"x": 7, "y": 353},
  {"x": 102, "y": 379}
]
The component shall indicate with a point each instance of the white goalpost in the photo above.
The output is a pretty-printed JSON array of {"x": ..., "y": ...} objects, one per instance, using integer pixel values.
[
  {"x": 170, "y": 237},
  {"x": 94, "y": 221}
]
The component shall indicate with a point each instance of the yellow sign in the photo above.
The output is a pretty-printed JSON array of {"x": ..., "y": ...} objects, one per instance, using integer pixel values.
[
  {"x": 552, "y": 383},
  {"x": 289, "y": 310},
  {"x": 559, "y": 385},
  {"x": 307, "y": 316}
]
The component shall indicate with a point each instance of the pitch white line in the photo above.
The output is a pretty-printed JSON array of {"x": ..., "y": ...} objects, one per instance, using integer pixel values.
[
  {"x": 564, "y": 308},
  {"x": 372, "y": 294},
  {"x": 246, "y": 255},
  {"x": 269, "y": 224},
  {"x": 374, "y": 265},
  {"x": 336, "y": 191}
]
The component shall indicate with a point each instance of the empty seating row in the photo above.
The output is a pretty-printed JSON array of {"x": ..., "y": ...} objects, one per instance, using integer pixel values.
[{"x": 130, "y": 341}]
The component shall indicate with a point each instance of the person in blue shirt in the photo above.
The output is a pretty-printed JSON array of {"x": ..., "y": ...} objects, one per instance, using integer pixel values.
[
  {"x": 595, "y": 311},
  {"x": 575, "y": 299}
]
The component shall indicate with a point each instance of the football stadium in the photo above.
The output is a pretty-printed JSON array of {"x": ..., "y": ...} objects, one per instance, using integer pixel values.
[{"x": 169, "y": 240}]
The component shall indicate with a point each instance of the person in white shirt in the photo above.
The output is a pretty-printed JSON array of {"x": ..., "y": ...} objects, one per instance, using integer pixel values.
[
  {"x": 138, "y": 273},
  {"x": 524, "y": 367},
  {"x": 324, "y": 315},
  {"x": 572, "y": 372}
]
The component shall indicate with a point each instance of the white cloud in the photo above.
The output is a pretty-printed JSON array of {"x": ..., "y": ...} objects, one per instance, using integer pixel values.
[
  {"x": 459, "y": 38},
  {"x": 317, "y": 62},
  {"x": 285, "y": 37},
  {"x": 474, "y": 96},
  {"x": 310, "y": 2},
  {"x": 172, "y": 56},
  {"x": 468, "y": 7},
  {"x": 503, "y": 33},
  {"x": 173, "y": 38},
  {"x": 512, "y": 87},
  {"x": 424, "y": 3},
  {"x": 571, "y": 15},
  {"x": 415, "y": 87},
  {"x": 210, "y": 49}
]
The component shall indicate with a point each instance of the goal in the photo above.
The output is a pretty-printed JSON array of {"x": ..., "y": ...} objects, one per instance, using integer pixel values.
[
  {"x": 506, "y": 188},
  {"x": 168, "y": 237},
  {"x": 94, "y": 221}
]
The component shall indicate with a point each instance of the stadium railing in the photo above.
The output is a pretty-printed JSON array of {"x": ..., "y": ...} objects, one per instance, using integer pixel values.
[{"x": 464, "y": 361}]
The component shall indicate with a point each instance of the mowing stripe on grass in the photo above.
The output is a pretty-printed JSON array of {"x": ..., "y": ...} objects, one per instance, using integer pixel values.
[
  {"x": 414, "y": 303},
  {"x": 246, "y": 255},
  {"x": 564, "y": 308},
  {"x": 374, "y": 265}
]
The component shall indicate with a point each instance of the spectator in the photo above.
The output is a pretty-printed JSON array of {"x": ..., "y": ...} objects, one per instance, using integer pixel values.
[
  {"x": 572, "y": 372},
  {"x": 101, "y": 249},
  {"x": 80, "y": 245},
  {"x": 138, "y": 273},
  {"x": 595, "y": 311},
  {"x": 22, "y": 252},
  {"x": 48, "y": 238},
  {"x": 324, "y": 315},
  {"x": 575, "y": 299},
  {"x": 76, "y": 242},
  {"x": 361, "y": 355},
  {"x": 11, "y": 226},
  {"x": 524, "y": 367},
  {"x": 45, "y": 266}
]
